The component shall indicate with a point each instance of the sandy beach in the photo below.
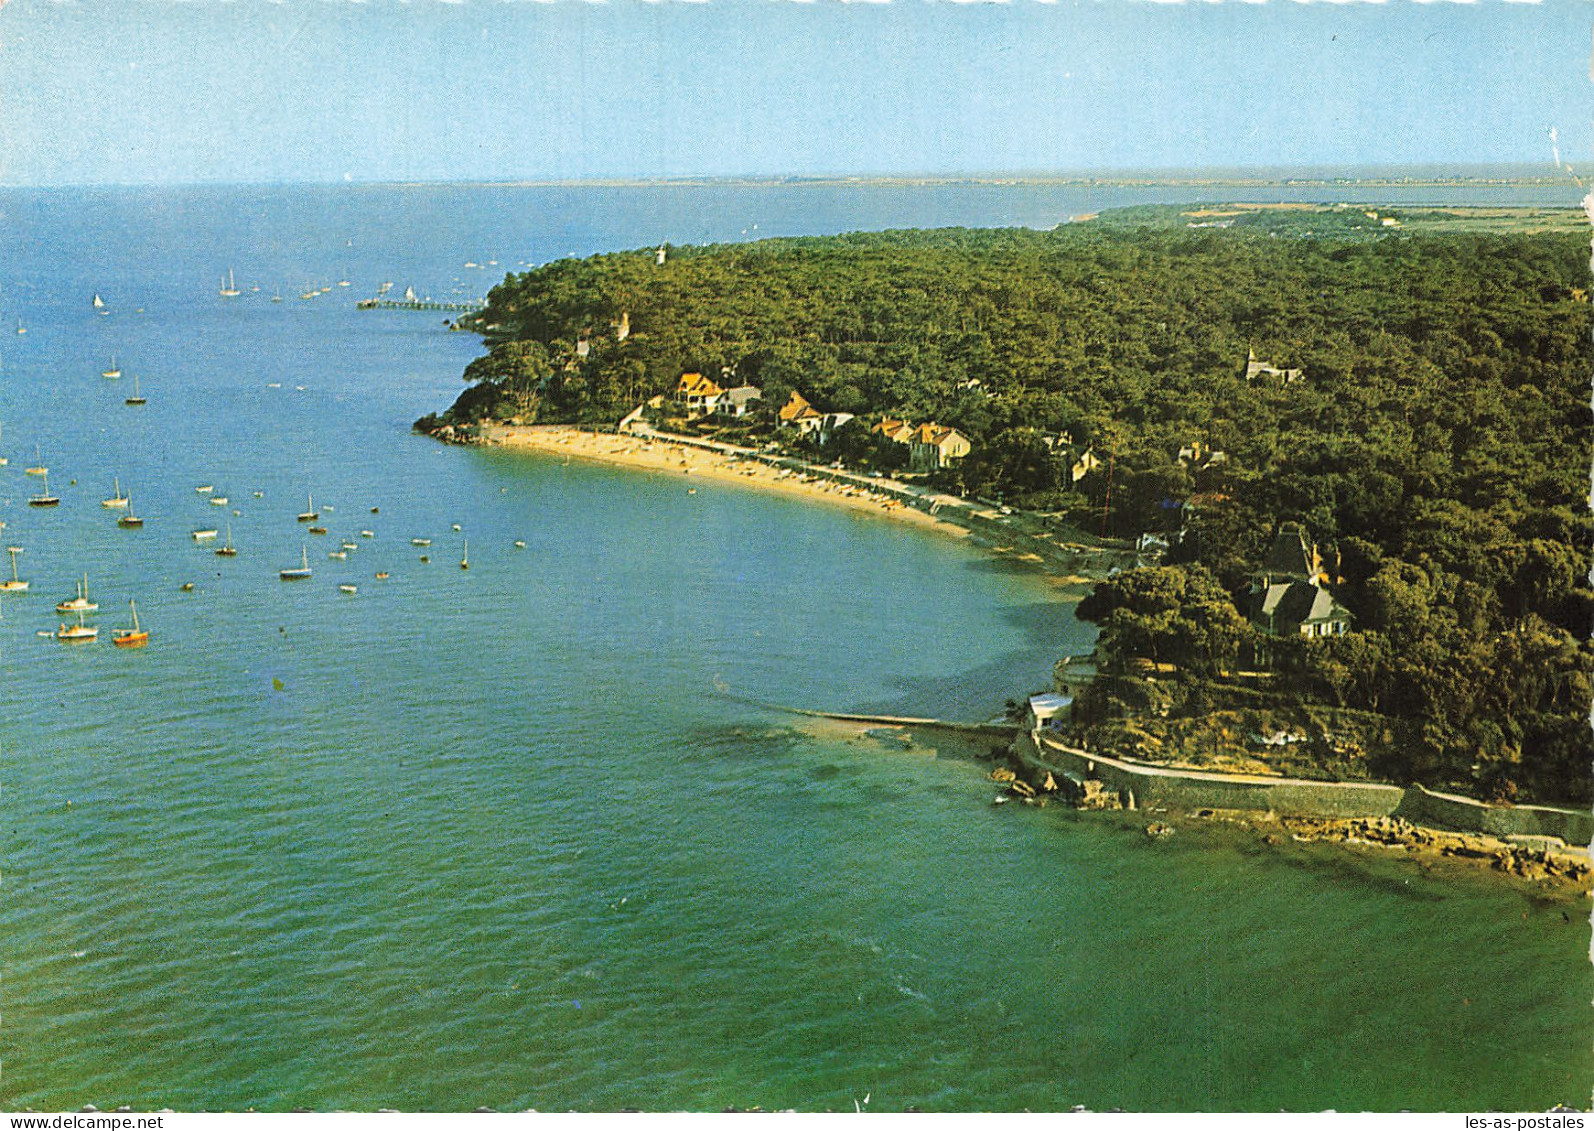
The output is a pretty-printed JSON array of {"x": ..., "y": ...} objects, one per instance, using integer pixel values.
[{"x": 696, "y": 465}]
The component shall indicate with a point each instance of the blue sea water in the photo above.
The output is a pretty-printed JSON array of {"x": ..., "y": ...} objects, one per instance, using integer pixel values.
[{"x": 498, "y": 837}]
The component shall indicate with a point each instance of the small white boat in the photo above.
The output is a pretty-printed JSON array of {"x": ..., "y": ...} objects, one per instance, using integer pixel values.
[
  {"x": 117, "y": 501},
  {"x": 21, "y": 329},
  {"x": 367, "y": 534},
  {"x": 299, "y": 574},
  {"x": 276, "y": 295},
  {"x": 456, "y": 526},
  {"x": 205, "y": 535},
  {"x": 99, "y": 304},
  {"x": 38, "y": 467},
  {"x": 16, "y": 584},
  {"x": 218, "y": 500},
  {"x": 229, "y": 289},
  {"x": 420, "y": 541},
  {"x": 205, "y": 490},
  {"x": 341, "y": 555},
  {"x": 350, "y": 545},
  {"x": 347, "y": 589},
  {"x": 519, "y": 545},
  {"x": 113, "y": 372},
  {"x": 464, "y": 560},
  {"x": 81, "y": 603},
  {"x": 77, "y": 633}
]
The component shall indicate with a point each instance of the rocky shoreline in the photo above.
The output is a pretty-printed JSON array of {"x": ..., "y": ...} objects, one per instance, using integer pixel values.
[{"x": 1540, "y": 860}]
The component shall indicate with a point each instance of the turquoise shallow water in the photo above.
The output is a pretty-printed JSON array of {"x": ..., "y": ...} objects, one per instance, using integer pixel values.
[{"x": 499, "y": 839}]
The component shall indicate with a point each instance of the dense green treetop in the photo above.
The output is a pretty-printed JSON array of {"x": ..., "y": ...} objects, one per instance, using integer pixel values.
[{"x": 1436, "y": 446}]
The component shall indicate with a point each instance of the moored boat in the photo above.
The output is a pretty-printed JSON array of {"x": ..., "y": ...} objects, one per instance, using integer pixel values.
[
  {"x": 79, "y": 603},
  {"x": 77, "y": 633},
  {"x": 134, "y": 637},
  {"x": 299, "y": 573},
  {"x": 44, "y": 498},
  {"x": 16, "y": 584},
  {"x": 117, "y": 501}
]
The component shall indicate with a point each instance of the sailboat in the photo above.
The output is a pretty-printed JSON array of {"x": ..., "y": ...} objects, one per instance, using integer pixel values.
[
  {"x": 299, "y": 574},
  {"x": 464, "y": 561},
  {"x": 114, "y": 371},
  {"x": 229, "y": 290},
  {"x": 227, "y": 551},
  {"x": 21, "y": 329},
  {"x": 38, "y": 468},
  {"x": 276, "y": 295},
  {"x": 134, "y": 637},
  {"x": 311, "y": 514},
  {"x": 4, "y": 461},
  {"x": 44, "y": 498},
  {"x": 117, "y": 501},
  {"x": 136, "y": 398},
  {"x": 78, "y": 632},
  {"x": 80, "y": 603},
  {"x": 16, "y": 584},
  {"x": 99, "y": 305},
  {"x": 129, "y": 521}
]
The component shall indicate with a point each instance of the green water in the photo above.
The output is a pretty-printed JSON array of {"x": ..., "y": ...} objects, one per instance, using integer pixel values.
[{"x": 501, "y": 837}]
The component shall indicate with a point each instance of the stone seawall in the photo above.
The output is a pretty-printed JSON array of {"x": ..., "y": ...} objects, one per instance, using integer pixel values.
[
  {"x": 1447, "y": 811},
  {"x": 1141, "y": 786}
]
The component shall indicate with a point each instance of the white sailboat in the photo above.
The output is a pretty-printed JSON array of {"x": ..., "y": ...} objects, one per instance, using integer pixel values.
[
  {"x": 81, "y": 603},
  {"x": 228, "y": 289},
  {"x": 310, "y": 514},
  {"x": 117, "y": 501},
  {"x": 299, "y": 574},
  {"x": 79, "y": 632},
  {"x": 16, "y": 584},
  {"x": 113, "y": 372},
  {"x": 99, "y": 304}
]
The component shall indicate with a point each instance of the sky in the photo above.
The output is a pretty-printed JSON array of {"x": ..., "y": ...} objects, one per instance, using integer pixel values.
[{"x": 231, "y": 91}]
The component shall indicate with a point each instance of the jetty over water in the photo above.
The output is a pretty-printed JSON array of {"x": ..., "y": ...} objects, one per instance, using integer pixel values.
[{"x": 420, "y": 304}]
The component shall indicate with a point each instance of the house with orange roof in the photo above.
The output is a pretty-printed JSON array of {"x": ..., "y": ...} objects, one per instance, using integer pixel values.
[
  {"x": 934, "y": 446},
  {"x": 698, "y": 394}
]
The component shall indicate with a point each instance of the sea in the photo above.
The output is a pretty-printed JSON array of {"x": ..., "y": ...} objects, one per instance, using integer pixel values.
[{"x": 528, "y": 835}]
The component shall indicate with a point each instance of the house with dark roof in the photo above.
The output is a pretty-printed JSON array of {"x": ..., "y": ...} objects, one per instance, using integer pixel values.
[{"x": 1287, "y": 596}]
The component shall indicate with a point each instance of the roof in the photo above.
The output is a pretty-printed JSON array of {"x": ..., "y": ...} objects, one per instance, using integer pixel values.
[
  {"x": 1047, "y": 704},
  {"x": 795, "y": 407},
  {"x": 742, "y": 394},
  {"x": 697, "y": 385},
  {"x": 936, "y": 434},
  {"x": 1291, "y": 554},
  {"x": 1294, "y": 603}
]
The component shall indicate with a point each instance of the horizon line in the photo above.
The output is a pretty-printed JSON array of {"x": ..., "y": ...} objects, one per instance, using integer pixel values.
[{"x": 1282, "y": 174}]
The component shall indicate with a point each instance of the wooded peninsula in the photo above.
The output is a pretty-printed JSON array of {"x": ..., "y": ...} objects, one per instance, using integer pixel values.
[{"x": 1351, "y": 442}]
